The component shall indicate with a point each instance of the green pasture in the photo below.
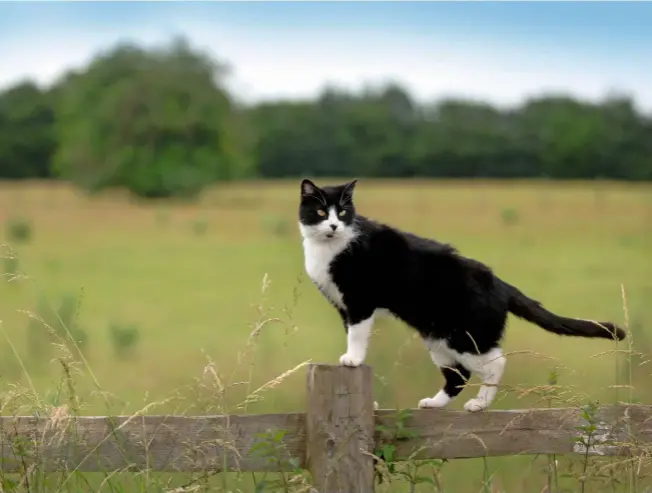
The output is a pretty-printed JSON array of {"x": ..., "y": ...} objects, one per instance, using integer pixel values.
[{"x": 191, "y": 307}]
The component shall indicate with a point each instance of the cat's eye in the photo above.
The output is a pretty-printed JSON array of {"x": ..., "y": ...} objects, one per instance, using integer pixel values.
[
  {"x": 321, "y": 213},
  {"x": 342, "y": 213}
]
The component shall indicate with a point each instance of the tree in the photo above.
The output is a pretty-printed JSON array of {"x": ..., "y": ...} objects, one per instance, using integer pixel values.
[
  {"x": 157, "y": 122},
  {"x": 27, "y": 140}
]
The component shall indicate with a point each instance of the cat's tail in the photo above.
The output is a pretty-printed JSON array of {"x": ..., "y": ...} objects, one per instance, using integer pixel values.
[{"x": 532, "y": 311}]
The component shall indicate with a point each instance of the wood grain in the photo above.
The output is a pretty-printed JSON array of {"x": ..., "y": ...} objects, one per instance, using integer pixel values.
[
  {"x": 454, "y": 435},
  {"x": 340, "y": 429},
  {"x": 161, "y": 443}
]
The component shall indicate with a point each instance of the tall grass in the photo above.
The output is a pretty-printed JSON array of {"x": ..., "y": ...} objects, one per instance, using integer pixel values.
[
  {"x": 215, "y": 391},
  {"x": 170, "y": 289},
  {"x": 235, "y": 389}
]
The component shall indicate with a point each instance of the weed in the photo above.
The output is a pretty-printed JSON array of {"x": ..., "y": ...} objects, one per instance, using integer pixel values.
[
  {"x": 410, "y": 470},
  {"x": 551, "y": 472},
  {"x": 509, "y": 216},
  {"x": 124, "y": 339},
  {"x": 269, "y": 447},
  {"x": 18, "y": 230},
  {"x": 587, "y": 438}
]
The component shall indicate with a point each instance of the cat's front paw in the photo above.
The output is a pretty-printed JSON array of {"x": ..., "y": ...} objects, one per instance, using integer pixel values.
[
  {"x": 429, "y": 403},
  {"x": 439, "y": 401},
  {"x": 351, "y": 360},
  {"x": 474, "y": 405}
]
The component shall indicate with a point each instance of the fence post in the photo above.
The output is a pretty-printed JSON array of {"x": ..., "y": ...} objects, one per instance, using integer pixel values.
[{"x": 340, "y": 428}]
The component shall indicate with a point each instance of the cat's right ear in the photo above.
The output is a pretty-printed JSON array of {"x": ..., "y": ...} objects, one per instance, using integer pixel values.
[{"x": 308, "y": 188}]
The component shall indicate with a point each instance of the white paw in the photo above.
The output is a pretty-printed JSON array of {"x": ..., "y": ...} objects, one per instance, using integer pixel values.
[
  {"x": 474, "y": 405},
  {"x": 432, "y": 403},
  {"x": 376, "y": 406},
  {"x": 351, "y": 360},
  {"x": 440, "y": 400}
]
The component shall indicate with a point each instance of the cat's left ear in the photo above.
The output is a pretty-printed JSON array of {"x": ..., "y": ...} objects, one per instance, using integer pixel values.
[
  {"x": 347, "y": 191},
  {"x": 308, "y": 188}
]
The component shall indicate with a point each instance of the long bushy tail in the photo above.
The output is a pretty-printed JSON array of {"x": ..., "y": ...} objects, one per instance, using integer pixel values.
[{"x": 532, "y": 311}]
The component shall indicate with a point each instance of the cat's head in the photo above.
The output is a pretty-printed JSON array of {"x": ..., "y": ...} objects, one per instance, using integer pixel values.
[{"x": 327, "y": 213}]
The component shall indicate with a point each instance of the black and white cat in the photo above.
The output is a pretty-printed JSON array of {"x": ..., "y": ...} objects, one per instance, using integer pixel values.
[{"x": 457, "y": 304}]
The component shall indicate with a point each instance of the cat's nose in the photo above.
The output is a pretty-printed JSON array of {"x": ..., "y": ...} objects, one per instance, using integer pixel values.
[{"x": 333, "y": 227}]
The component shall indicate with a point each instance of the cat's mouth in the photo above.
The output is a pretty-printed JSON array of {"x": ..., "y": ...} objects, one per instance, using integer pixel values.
[{"x": 330, "y": 235}]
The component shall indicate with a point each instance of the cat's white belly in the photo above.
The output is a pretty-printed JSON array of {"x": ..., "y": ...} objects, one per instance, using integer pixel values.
[{"x": 318, "y": 258}]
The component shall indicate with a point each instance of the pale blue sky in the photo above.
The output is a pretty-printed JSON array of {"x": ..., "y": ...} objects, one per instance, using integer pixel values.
[{"x": 498, "y": 51}]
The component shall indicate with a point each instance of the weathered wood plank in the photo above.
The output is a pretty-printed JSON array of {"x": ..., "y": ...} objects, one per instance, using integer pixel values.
[
  {"x": 450, "y": 434},
  {"x": 162, "y": 443},
  {"x": 340, "y": 428},
  {"x": 194, "y": 443}
]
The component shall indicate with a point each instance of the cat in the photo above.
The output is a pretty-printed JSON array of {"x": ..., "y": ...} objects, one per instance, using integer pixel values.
[{"x": 457, "y": 304}]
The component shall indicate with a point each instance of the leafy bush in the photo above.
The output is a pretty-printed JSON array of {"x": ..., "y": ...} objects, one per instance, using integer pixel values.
[
  {"x": 19, "y": 230},
  {"x": 509, "y": 216},
  {"x": 124, "y": 339}
]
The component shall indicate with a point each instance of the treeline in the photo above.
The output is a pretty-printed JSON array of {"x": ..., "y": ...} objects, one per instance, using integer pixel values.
[{"x": 161, "y": 122}]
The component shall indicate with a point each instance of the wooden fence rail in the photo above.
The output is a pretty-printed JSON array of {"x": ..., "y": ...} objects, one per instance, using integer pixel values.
[{"x": 333, "y": 439}]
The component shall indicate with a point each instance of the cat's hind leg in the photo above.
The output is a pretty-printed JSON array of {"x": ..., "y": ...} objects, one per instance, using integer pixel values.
[
  {"x": 489, "y": 367},
  {"x": 455, "y": 375}
]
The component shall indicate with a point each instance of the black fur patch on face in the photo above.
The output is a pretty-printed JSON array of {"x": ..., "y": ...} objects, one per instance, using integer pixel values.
[{"x": 316, "y": 203}]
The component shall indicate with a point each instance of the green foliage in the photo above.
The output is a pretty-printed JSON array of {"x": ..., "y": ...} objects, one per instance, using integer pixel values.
[
  {"x": 410, "y": 470},
  {"x": 269, "y": 446},
  {"x": 27, "y": 132},
  {"x": 587, "y": 438},
  {"x": 385, "y": 447},
  {"x": 18, "y": 229},
  {"x": 124, "y": 339},
  {"x": 154, "y": 121},
  {"x": 509, "y": 216},
  {"x": 159, "y": 122},
  {"x": 384, "y": 133}
]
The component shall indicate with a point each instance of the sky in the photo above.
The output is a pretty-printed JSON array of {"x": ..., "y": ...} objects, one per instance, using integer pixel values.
[{"x": 500, "y": 52}]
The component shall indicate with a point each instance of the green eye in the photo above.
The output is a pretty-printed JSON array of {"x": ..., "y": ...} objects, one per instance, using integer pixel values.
[{"x": 342, "y": 213}]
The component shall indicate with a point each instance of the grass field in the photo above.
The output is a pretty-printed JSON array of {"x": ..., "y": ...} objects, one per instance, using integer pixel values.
[{"x": 194, "y": 281}]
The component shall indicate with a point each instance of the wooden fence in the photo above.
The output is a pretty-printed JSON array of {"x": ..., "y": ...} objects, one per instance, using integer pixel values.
[{"x": 334, "y": 439}]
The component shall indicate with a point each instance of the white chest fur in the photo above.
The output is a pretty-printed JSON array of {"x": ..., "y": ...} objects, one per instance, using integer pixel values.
[{"x": 318, "y": 258}]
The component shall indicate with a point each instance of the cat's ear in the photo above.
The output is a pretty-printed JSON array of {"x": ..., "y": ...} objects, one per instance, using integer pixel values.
[
  {"x": 347, "y": 191},
  {"x": 308, "y": 188}
]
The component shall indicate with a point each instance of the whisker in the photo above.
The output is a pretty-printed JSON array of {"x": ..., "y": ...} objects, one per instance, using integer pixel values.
[{"x": 318, "y": 197}]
